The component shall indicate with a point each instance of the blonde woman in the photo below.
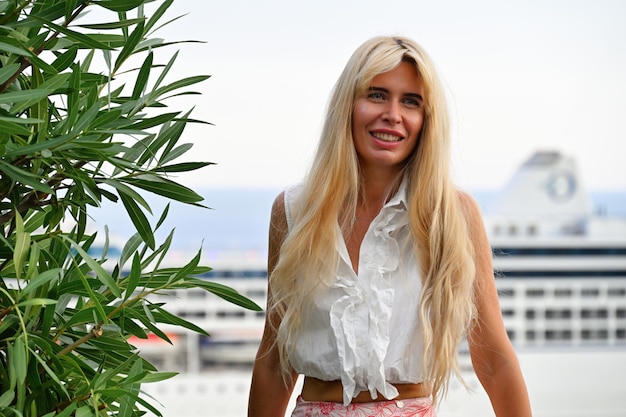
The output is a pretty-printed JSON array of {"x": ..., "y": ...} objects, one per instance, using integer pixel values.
[{"x": 378, "y": 265}]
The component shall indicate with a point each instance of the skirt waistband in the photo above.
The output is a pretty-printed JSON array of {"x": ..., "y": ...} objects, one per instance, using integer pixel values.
[{"x": 411, "y": 407}]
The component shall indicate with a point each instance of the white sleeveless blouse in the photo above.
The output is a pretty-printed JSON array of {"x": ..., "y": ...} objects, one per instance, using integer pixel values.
[{"x": 364, "y": 329}]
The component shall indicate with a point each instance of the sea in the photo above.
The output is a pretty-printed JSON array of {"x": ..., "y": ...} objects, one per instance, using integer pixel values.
[
  {"x": 237, "y": 219},
  {"x": 562, "y": 382}
]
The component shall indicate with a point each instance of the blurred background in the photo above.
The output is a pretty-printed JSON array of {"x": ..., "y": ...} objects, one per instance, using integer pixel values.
[{"x": 522, "y": 77}]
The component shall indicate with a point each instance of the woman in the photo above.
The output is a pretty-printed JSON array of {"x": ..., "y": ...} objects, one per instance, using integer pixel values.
[{"x": 378, "y": 265}]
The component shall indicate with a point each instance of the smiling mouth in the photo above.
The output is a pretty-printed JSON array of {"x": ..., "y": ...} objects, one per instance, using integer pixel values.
[{"x": 386, "y": 137}]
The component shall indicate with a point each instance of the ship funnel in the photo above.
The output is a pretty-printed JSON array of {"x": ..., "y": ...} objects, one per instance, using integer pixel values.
[{"x": 545, "y": 196}]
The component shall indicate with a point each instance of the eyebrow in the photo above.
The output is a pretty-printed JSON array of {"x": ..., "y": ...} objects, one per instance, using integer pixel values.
[{"x": 386, "y": 91}]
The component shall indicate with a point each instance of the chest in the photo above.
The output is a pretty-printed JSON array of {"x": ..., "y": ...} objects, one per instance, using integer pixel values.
[{"x": 353, "y": 239}]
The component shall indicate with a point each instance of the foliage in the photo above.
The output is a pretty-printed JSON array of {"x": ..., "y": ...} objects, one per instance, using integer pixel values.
[{"x": 72, "y": 136}]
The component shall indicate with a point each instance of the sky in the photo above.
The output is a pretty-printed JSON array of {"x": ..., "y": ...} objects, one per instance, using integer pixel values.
[{"x": 521, "y": 77}]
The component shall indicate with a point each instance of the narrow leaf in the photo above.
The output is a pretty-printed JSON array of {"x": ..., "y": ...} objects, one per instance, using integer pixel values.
[
  {"x": 85, "y": 40},
  {"x": 22, "y": 245},
  {"x": 41, "y": 279},
  {"x": 163, "y": 216},
  {"x": 102, "y": 275},
  {"x": 8, "y": 71},
  {"x": 158, "y": 14},
  {"x": 129, "y": 46},
  {"x": 139, "y": 219},
  {"x": 175, "y": 153},
  {"x": 166, "y": 188},
  {"x": 225, "y": 292},
  {"x": 112, "y": 25},
  {"x": 37, "y": 302},
  {"x": 19, "y": 175},
  {"x": 134, "y": 277},
  {"x": 6, "y": 398},
  {"x": 142, "y": 77},
  {"x": 66, "y": 59},
  {"x": 183, "y": 167},
  {"x": 120, "y": 5},
  {"x": 8, "y": 127},
  {"x": 179, "y": 84},
  {"x": 130, "y": 247},
  {"x": 20, "y": 360}
]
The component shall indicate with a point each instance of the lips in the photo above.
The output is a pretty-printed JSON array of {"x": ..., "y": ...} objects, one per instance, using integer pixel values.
[{"x": 386, "y": 137}]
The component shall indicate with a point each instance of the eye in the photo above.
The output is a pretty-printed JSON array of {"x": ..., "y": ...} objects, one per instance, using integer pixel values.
[
  {"x": 376, "y": 96},
  {"x": 412, "y": 102}
]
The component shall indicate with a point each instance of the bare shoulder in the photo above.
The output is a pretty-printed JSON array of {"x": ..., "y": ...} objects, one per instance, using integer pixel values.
[
  {"x": 470, "y": 209},
  {"x": 278, "y": 207},
  {"x": 279, "y": 213},
  {"x": 278, "y": 225}
]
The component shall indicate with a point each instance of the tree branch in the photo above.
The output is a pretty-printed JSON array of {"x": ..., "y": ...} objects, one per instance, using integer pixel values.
[{"x": 94, "y": 333}]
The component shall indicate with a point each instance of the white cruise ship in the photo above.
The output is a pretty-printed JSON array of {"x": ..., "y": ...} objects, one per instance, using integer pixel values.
[{"x": 560, "y": 271}]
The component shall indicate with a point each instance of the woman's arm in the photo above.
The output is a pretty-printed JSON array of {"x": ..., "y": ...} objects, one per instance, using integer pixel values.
[
  {"x": 269, "y": 396},
  {"x": 492, "y": 354}
]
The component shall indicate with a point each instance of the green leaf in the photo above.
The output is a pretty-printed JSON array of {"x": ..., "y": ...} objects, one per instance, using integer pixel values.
[
  {"x": 163, "y": 316},
  {"x": 12, "y": 49},
  {"x": 157, "y": 377},
  {"x": 7, "y": 71},
  {"x": 119, "y": 5},
  {"x": 25, "y": 95},
  {"x": 130, "y": 247},
  {"x": 85, "y": 411},
  {"x": 48, "y": 86},
  {"x": 134, "y": 277},
  {"x": 129, "y": 47},
  {"x": 113, "y": 25},
  {"x": 183, "y": 167},
  {"x": 105, "y": 118},
  {"x": 19, "y": 360},
  {"x": 9, "y": 127},
  {"x": 22, "y": 245},
  {"x": 86, "y": 118},
  {"x": 19, "y": 175},
  {"x": 41, "y": 279},
  {"x": 158, "y": 14},
  {"x": 166, "y": 70},
  {"x": 7, "y": 398},
  {"x": 180, "y": 84},
  {"x": 37, "y": 302},
  {"x": 175, "y": 153},
  {"x": 139, "y": 219},
  {"x": 84, "y": 40},
  {"x": 166, "y": 188},
  {"x": 102, "y": 275},
  {"x": 163, "y": 216},
  {"x": 50, "y": 372},
  {"x": 66, "y": 59},
  {"x": 125, "y": 189},
  {"x": 225, "y": 292},
  {"x": 153, "y": 121},
  {"x": 142, "y": 77},
  {"x": 21, "y": 120},
  {"x": 188, "y": 269}
]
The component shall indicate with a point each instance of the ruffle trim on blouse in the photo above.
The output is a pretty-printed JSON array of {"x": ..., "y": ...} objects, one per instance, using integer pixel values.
[{"x": 362, "y": 368}]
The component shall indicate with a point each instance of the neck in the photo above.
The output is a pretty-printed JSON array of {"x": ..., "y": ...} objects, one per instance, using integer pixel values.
[{"x": 375, "y": 192}]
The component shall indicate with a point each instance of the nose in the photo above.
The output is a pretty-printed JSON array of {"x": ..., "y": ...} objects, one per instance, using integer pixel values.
[{"x": 393, "y": 112}]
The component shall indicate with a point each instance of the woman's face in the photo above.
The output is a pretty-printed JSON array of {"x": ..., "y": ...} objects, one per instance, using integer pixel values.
[{"x": 387, "y": 119}]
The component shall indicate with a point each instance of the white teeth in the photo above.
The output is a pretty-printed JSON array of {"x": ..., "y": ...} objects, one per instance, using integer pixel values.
[{"x": 387, "y": 137}]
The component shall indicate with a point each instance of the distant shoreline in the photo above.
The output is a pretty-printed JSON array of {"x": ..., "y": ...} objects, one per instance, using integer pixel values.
[{"x": 238, "y": 218}]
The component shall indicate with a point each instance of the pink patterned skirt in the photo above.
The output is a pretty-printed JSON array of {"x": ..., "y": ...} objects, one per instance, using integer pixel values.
[{"x": 414, "y": 407}]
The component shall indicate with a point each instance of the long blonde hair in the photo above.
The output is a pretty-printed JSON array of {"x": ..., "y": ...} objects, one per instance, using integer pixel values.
[{"x": 309, "y": 256}]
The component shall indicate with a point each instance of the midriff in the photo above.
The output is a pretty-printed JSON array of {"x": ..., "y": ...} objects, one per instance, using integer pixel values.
[{"x": 332, "y": 391}]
